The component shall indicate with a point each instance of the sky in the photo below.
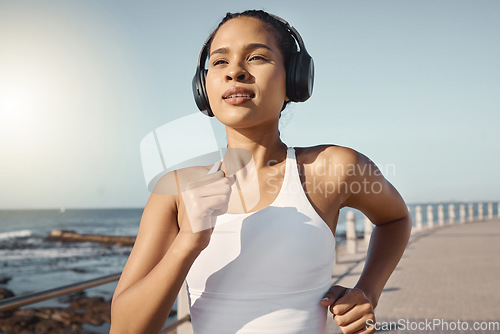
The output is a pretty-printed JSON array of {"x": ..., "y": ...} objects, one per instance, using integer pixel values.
[{"x": 411, "y": 84}]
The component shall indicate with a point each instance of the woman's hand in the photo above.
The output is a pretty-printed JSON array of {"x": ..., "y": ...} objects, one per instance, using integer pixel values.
[
  {"x": 204, "y": 199},
  {"x": 351, "y": 309}
]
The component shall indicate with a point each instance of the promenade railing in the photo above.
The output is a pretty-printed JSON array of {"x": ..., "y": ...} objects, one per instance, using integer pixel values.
[
  {"x": 436, "y": 215},
  {"x": 181, "y": 325}
]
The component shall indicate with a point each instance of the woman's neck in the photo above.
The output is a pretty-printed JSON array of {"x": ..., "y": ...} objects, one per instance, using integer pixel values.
[{"x": 264, "y": 144}]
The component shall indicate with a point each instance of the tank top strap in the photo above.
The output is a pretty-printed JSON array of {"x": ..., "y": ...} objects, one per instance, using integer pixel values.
[
  {"x": 291, "y": 178},
  {"x": 292, "y": 168},
  {"x": 291, "y": 173}
]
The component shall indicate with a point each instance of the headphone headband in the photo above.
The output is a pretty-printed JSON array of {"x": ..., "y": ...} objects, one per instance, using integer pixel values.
[
  {"x": 295, "y": 34},
  {"x": 299, "y": 73}
]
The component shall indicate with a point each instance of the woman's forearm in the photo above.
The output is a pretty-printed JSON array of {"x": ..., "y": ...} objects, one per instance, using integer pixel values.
[
  {"x": 145, "y": 305},
  {"x": 387, "y": 244}
]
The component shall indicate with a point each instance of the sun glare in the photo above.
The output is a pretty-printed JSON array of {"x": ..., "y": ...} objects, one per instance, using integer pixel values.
[
  {"x": 16, "y": 111},
  {"x": 10, "y": 107}
]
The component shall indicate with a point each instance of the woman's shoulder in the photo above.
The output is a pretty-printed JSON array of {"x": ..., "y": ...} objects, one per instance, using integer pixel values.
[
  {"x": 175, "y": 181},
  {"x": 328, "y": 154}
]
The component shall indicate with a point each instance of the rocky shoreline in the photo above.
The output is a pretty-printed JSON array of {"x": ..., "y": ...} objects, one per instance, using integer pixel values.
[
  {"x": 95, "y": 311},
  {"x": 71, "y": 236},
  {"x": 81, "y": 310},
  {"x": 82, "y": 315}
]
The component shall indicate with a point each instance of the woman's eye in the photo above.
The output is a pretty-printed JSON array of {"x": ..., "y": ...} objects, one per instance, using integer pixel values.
[
  {"x": 257, "y": 58},
  {"x": 218, "y": 62}
]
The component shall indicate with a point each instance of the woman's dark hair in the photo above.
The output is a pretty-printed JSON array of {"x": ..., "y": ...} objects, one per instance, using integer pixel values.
[{"x": 286, "y": 43}]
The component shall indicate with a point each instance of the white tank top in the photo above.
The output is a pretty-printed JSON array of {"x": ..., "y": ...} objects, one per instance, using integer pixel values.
[{"x": 265, "y": 271}]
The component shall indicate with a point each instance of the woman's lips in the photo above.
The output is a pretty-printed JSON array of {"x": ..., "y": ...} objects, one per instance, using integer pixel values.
[
  {"x": 237, "y": 95},
  {"x": 237, "y": 100}
]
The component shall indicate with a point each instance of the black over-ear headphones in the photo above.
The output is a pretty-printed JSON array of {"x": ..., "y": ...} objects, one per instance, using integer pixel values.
[{"x": 299, "y": 74}]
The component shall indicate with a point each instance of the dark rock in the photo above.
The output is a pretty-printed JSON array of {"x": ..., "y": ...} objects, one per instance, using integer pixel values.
[
  {"x": 71, "y": 297},
  {"x": 71, "y": 236},
  {"x": 5, "y": 279},
  {"x": 63, "y": 316},
  {"x": 24, "y": 331},
  {"x": 92, "y": 318},
  {"x": 48, "y": 326},
  {"x": 19, "y": 319},
  {"x": 83, "y": 310},
  {"x": 5, "y": 293},
  {"x": 97, "y": 310},
  {"x": 86, "y": 302}
]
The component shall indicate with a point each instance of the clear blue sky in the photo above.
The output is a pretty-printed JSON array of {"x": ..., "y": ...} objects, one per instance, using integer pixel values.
[{"x": 412, "y": 84}]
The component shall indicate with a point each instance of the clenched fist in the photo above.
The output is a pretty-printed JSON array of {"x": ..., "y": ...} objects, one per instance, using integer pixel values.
[
  {"x": 351, "y": 309},
  {"x": 204, "y": 199}
]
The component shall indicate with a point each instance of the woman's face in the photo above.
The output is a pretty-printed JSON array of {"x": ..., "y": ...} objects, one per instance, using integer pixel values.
[{"x": 246, "y": 79}]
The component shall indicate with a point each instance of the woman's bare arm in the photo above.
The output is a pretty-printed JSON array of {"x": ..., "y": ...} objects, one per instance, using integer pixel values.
[
  {"x": 163, "y": 254},
  {"x": 154, "y": 273},
  {"x": 383, "y": 205},
  {"x": 385, "y": 208}
]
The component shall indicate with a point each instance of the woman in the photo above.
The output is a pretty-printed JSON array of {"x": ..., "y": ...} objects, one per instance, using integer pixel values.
[{"x": 263, "y": 266}]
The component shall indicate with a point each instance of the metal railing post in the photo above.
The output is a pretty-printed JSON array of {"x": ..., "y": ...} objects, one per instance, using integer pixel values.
[
  {"x": 430, "y": 216},
  {"x": 350, "y": 233},
  {"x": 368, "y": 230},
  {"x": 440, "y": 215},
  {"x": 462, "y": 213},
  {"x": 451, "y": 213},
  {"x": 183, "y": 311},
  {"x": 418, "y": 218}
]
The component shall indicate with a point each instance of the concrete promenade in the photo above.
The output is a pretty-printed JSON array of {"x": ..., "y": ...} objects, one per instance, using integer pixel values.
[{"x": 448, "y": 274}]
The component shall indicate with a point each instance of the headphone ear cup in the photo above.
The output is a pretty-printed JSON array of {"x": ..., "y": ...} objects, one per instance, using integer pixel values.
[
  {"x": 208, "y": 110},
  {"x": 290, "y": 78},
  {"x": 304, "y": 76},
  {"x": 200, "y": 92}
]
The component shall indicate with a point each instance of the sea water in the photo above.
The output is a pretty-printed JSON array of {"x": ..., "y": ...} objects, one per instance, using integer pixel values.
[
  {"x": 30, "y": 264},
  {"x": 33, "y": 264}
]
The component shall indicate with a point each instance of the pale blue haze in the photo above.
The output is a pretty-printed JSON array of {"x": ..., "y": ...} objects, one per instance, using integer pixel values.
[{"x": 411, "y": 84}]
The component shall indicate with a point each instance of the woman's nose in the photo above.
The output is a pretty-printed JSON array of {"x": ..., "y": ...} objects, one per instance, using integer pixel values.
[{"x": 238, "y": 73}]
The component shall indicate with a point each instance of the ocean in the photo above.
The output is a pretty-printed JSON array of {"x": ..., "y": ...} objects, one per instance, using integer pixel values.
[{"x": 31, "y": 264}]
